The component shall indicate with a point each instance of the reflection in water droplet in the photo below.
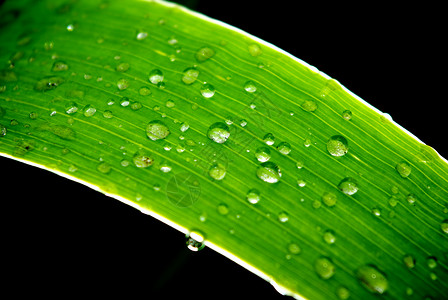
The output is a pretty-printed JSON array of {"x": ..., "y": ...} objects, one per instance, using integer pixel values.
[
  {"x": 204, "y": 54},
  {"x": 142, "y": 159},
  {"x": 195, "y": 241},
  {"x": 404, "y": 169},
  {"x": 309, "y": 105},
  {"x": 89, "y": 110},
  {"x": 329, "y": 237},
  {"x": 376, "y": 212},
  {"x": 263, "y": 154},
  {"x": 250, "y": 87},
  {"x": 190, "y": 75},
  {"x": 337, "y": 145},
  {"x": 283, "y": 217},
  {"x": 372, "y": 279},
  {"x": 348, "y": 186},
  {"x": 122, "y": 84},
  {"x": 269, "y": 172},
  {"x": 269, "y": 139},
  {"x": 155, "y": 76},
  {"x": 217, "y": 171},
  {"x": 207, "y": 90},
  {"x": 71, "y": 107},
  {"x": 142, "y": 35},
  {"x": 253, "y": 196},
  {"x": 411, "y": 198},
  {"x": 324, "y": 267},
  {"x": 156, "y": 130},
  {"x": 284, "y": 148},
  {"x": 218, "y": 132}
]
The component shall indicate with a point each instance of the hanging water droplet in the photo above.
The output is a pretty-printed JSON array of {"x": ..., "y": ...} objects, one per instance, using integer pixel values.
[
  {"x": 155, "y": 76},
  {"x": 403, "y": 168},
  {"x": 409, "y": 261},
  {"x": 142, "y": 159},
  {"x": 269, "y": 139},
  {"x": 217, "y": 171},
  {"x": 284, "y": 148},
  {"x": 324, "y": 267},
  {"x": 283, "y": 217},
  {"x": 190, "y": 75},
  {"x": 347, "y": 115},
  {"x": 207, "y": 90},
  {"x": 253, "y": 196},
  {"x": 156, "y": 130},
  {"x": 329, "y": 199},
  {"x": 309, "y": 105},
  {"x": 250, "y": 87},
  {"x": 122, "y": 84},
  {"x": 444, "y": 226},
  {"x": 329, "y": 237},
  {"x": 337, "y": 145},
  {"x": 218, "y": 132},
  {"x": 263, "y": 154},
  {"x": 195, "y": 241},
  {"x": 348, "y": 186},
  {"x": 71, "y": 107},
  {"x": 269, "y": 172},
  {"x": 204, "y": 54},
  {"x": 59, "y": 66},
  {"x": 372, "y": 279}
]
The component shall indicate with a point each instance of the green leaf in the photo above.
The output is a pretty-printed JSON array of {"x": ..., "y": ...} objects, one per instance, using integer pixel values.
[{"x": 228, "y": 139}]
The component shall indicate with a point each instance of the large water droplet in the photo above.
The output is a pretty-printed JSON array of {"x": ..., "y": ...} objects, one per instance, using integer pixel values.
[
  {"x": 284, "y": 148},
  {"x": 372, "y": 279},
  {"x": 263, "y": 154},
  {"x": 403, "y": 168},
  {"x": 207, "y": 90},
  {"x": 269, "y": 172},
  {"x": 204, "y": 54},
  {"x": 253, "y": 196},
  {"x": 155, "y": 76},
  {"x": 195, "y": 241},
  {"x": 218, "y": 132},
  {"x": 324, "y": 267},
  {"x": 190, "y": 75},
  {"x": 217, "y": 171},
  {"x": 89, "y": 110},
  {"x": 337, "y": 145},
  {"x": 348, "y": 186},
  {"x": 156, "y": 130},
  {"x": 142, "y": 159}
]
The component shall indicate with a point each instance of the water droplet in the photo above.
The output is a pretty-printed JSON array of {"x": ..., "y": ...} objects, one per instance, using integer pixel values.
[
  {"x": 348, "y": 186},
  {"x": 204, "y": 54},
  {"x": 3, "y": 130},
  {"x": 59, "y": 66},
  {"x": 269, "y": 139},
  {"x": 329, "y": 237},
  {"x": 329, "y": 199},
  {"x": 432, "y": 262},
  {"x": 195, "y": 241},
  {"x": 250, "y": 87},
  {"x": 33, "y": 115},
  {"x": 207, "y": 90},
  {"x": 317, "y": 204},
  {"x": 372, "y": 279},
  {"x": 404, "y": 169},
  {"x": 223, "y": 209},
  {"x": 324, "y": 267},
  {"x": 142, "y": 159},
  {"x": 337, "y": 145},
  {"x": 376, "y": 212},
  {"x": 125, "y": 101},
  {"x": 347, "y": 115},
  {"x": 309, "y": 105},
  {"x": 104, "y": 167},
  {"x": 263, "y": 154},
  {"x": 70, "y": 27},
  {"x": 243, "y": 123},
  {"x": 217, "y": 171},
  {"x": 156, "y": 130},
  {"x": 411, "y": 198},
  {"x": 409, "y": 261},
  {"x": 254, "y": 50},
  {"x": 124, "y": 163},
  {"x": 165, "y": 168},
  {"x": 253, "y": 196},
  {"x": 301, "y": 183},
  {"x": 108, "y": 114},
  {"x": 409, "y": 291},
  {"x": 269, "y": 172},
  {"x": 170, "y": 103},
  {"x": 144, "y": 91},
  {"x": 136, "y": 105},
  {"x": 393, "y": 201},
  {"x": 142, "y": 35},
  {"x": 444, "y": 226},
  {"x": 122, "y": 84},
  {"x": 123, "y": 67},
  {"x": 218, "y": 132},
  {"x": 343, "y": 293},
  {"x": 283, "y": 217},
  {"x": 48, "y": 83},
  {"x": 284, "y": 148},
  {"x": 299, "y": 165},
  {"x": 156, "y": 76},
  {"x": 89, "y": 110},
  {"x": 433, "y": 276},
  {"x": 190, "y": 75},
  {"x": 293, "y": 248},
  {"x": 184, "y": 126},
  {"x": 71, "y": 107}
]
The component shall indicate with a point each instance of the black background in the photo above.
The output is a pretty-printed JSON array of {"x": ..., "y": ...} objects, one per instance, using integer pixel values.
[{"x": 81, "y": 242}]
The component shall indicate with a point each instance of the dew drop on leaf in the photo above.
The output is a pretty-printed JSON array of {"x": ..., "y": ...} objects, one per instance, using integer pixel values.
[
  {"x": 263, "y": 154},
  {"x": 269, "y": 172},
  {"x": 122, "y": 67},
  {"x": 217, "y": 171},
  {"x": 284, "y": 148},
  {"x": 372, "y": 279},
  {"x": 144, "y": 91},
  {"x": 269, "y": 139},
  {"x": 155, "y": 76},
  {"x": 411, "y": 198},
  {"x": 204, "y": 54},
  {"x": 103, "y": 167},
  {"x": 184, "y": 126},
  {"x": 218, "y": 132},
  {"x": 348, "y": 186},
  {"x": 347, "y": 115},
  {"x": 223, "y": 209},
  {"x": 207, "y": 90},
  {"x": 253, "y": 196},
  {"x": 195, "y": 241},
  {"x": 444, "y": 226},
  {"x": 89, "y": 110},
  {"x": 376, "y": 212},
  {"x": 324, "y": 267},
  {"x": 293, "y": 248},
  {"x": 403, "y": 168},
  {"x": 122, "y": 84},
  {"x": 309, "y": 105},
  {"x": 337, "y": 145},
  {"x": 141, "y": 35},
  {"x": 329, "y": 237},
  {"x": 250, "y": 87},
  {"x": 432, "y": 262},
  {"x": 71, "y": 107},
  {"x": 254, "y": 50},
  {"x": 48, "y": 83},
  {"x": 301, "y": 183},
  {"x": 190, "y": 75},
  {"x": 283, "y": 217},
  {"x": 125, "y": 101},
  {"x": 329, "y": 199},
  {"x": 59, "y": 66},
  {"x": 2, "y": 130},
  {"x": 141, "y": 159},
  {"x": 108, "y": 114},
  {"x": 409, "y": 261},
  {"x": 156, "y": 130}
]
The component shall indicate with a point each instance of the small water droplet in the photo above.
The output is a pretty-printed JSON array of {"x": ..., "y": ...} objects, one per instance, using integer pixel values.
[
  {"x": 284, "y": 148},
  {"x": 218, "y": 132},
  {"x": 217, "y": 171},
  {"x": 409, "y": 291},
  {"x": 432, "y": 262},
  {"x": 250, "y": 87},
  {"x": 299, "y": 165},
  {"x": 269, "y": 139},
  {"x": 329, "y": 199},
  {"x": 156, "y": 130},
  {"x": 283, "y": 217},
  {"x": 33, "y": 115},
  {"x": 223, "y": 209},
  {"x": 409, "y": 261},
  {"x": 411, "y": 198},
  {"x": 372, "y": 279},
  {"x": 89, "y": 110},
  {"x": 309, "y": 105},
  {"x": 343, "y": 293},
  {"x": 403, "y": 168},
  {"x": 122, "y": 84},
  {"x": 190, "y": 75},
  {"x": 155, "y": 76},
  {"x": 142, "y": 159},
  {"x": 207, "y": 90},
  {"x": 263, "y": 154},
  {"x": 59, "y": 66},
  {"x": 269, "y": 172},
  {"x": 108, "y": 114},
  {"x": 393, "y": 201},
  {"x": 243, "y": 123},
  {"x": 301, "y": 182},
  {"x": 3, "y": 130},
  {"x": 48, "y": 83},
  {"x": 170, "y": 103},
  {"x": 71, "y": 107},
  {"x": 122, "y": 67},
  {"x": 254, "y": 50},
  {"x": 184, "y": 126},
  {"x": 253, "y": 196},
  {"x": 293, "y": 248},
  {"x": 337, "y": 145},
  {"x": 195, "y": 241},
  {"x": 144, "y": 91},
  {"x": 204, "y": 54},
  {"x": 136, "y": 105},
  {"x": 165, "y": 168},
  {"x": 141, "y": 35},
  {"x": 70, "y": 27},
  {"x": 125, "y": 101},
  {"x": 329, "y": 237},
  {"x": 444, "y": 226},
  {"x": 348, "y": 186},
  {"x": 324, "y": 267},
  {"x": 347, "y": 115},
  {"x": 104, "y": 167},
  {"x": 376, "y": 212}
]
